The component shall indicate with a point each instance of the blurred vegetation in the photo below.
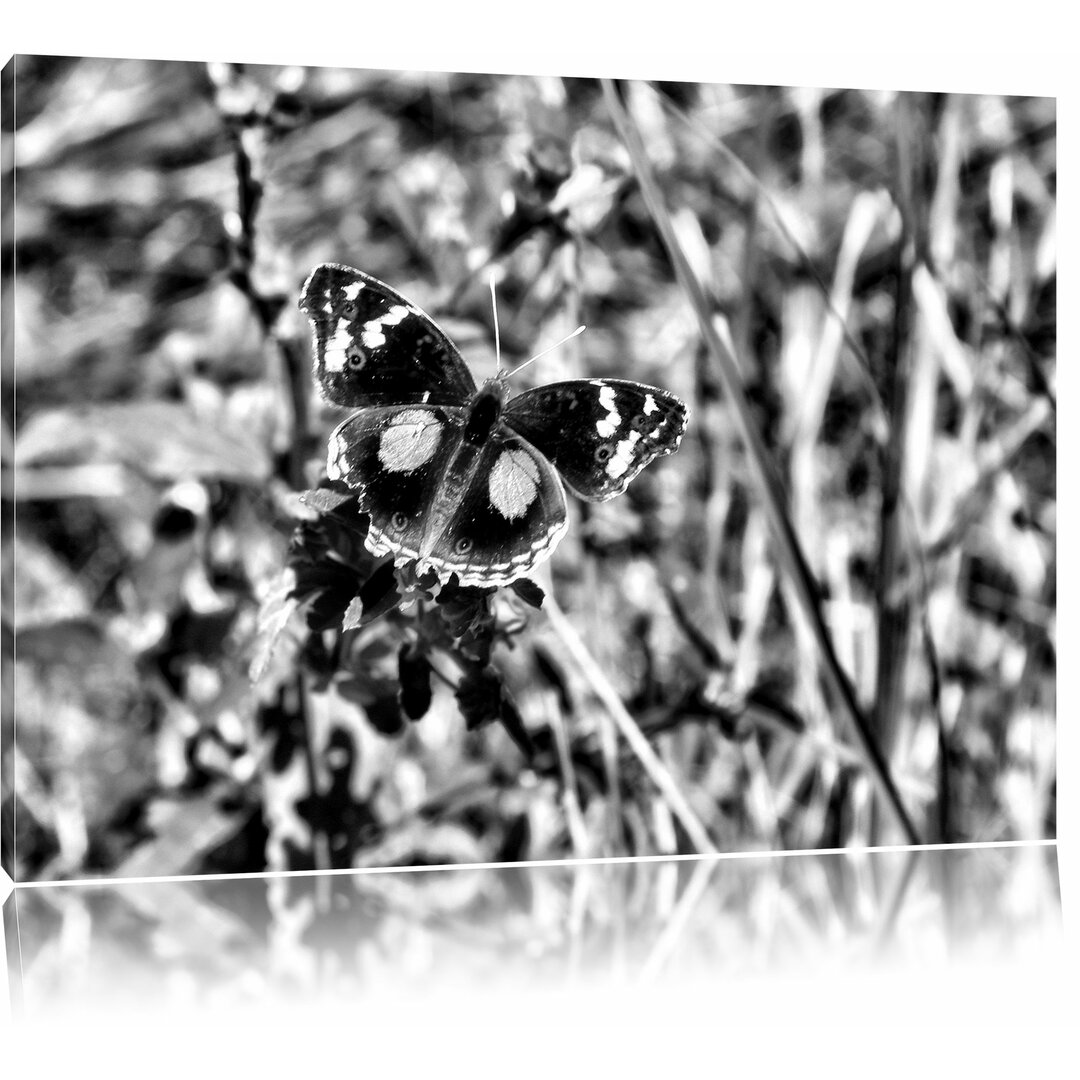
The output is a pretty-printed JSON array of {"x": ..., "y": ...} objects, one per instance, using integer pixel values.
[{"x": 882, "y": 268}]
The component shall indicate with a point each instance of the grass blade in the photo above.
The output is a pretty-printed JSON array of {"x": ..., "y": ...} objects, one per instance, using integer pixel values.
[{"x": 767, "y": 482}]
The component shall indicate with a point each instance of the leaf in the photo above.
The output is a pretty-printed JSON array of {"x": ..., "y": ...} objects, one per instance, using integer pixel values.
[
  {"x": 383, "y": 710},
  {"x": 511, "y": 720},
  {"x": 379, "y": 593},
  {"x": 479, "y": 696},
  {"x": 184, "y": 831},
  {"x": 528, "y": 591},
  {"x": 69, "y": 642},
  {"x": 274, "y": 614},
  {"x": 354, "y": 614},
  {"x": 327, "y": 610},
  {"x": 335, "y": 569},
  {"x": 482, "y": 698},
  {"x": 414, "y": 673},
  {"x": 324, "y": 500},
  {"x": 465, "y": 610},
  {"x": 476, "y": 645},
  {"x": 84, "y": 713},
  {"x": 163, "y": 440},
  {"x": 330, "y": 588}
]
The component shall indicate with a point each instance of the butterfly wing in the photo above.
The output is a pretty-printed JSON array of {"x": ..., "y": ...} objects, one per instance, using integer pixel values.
[
  {"x": 599, "y": 433},
  {"x": 487, "y": 513},
  {"x": 510, "y": 515},
  {"x": 374, "y": 347},
  {"x": 396, "y": 458}
]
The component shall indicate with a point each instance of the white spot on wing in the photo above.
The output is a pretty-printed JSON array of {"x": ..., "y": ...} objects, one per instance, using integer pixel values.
[
  {"x": 607, "y": 426},
  {"x": 650, "y": 405},
  {"x": 624, "y": 455},
  {"x": 334, "y": 357},
  {"x": 409, "y": 441},
  {"x": 513, "y": 483},
  {"x": 373, "y": 334},
  {"x": 352, "y": 290}
]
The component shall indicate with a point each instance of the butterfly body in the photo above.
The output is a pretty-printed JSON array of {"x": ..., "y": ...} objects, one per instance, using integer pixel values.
[{"x": 463, "y": 480}]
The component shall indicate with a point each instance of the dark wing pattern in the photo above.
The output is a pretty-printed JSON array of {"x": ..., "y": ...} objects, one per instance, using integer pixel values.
[
  {"x": 488, "y": 514},
  {"x": 599, "y": 433},
  {"x": 374, "y": 347},
  {"x": 510, "y": 516},
  {"x": 396, "y": 457}
]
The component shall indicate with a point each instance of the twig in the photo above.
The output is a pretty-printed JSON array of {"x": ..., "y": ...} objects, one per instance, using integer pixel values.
[
  {"x": 320, "y": 839},
  {"x": 894, "y": 611},
  {"x": 944, "y": 792},
  {"x": 250, "y": 122},
  {"x": 575, "y": 819},
  {"x": 629, "y": 730},
  {"x": 248, "y": 119}
]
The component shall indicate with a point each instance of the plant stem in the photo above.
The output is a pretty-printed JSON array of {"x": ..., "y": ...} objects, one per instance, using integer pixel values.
[{"x": 629, "y": 730}]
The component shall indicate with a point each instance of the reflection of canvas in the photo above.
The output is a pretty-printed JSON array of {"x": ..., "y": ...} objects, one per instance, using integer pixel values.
[
  {"x": 688, "y": 928},
  {"x": 828, "y": 620}
]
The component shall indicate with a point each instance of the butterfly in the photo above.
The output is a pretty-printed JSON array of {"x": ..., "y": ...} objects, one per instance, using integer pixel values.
[{"x": 463, "y": 480}]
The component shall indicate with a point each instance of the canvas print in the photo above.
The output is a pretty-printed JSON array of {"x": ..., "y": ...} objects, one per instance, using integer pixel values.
[{"x": 431, "y": 468}]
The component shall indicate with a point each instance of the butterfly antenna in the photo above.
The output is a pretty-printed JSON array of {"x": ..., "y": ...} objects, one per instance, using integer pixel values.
[
  {"x": 550, "y": 348},
  {"x": 495, "y": 319}
]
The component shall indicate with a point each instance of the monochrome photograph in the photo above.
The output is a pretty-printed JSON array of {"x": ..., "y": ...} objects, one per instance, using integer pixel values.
[{"x": 421, "y": 469}]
